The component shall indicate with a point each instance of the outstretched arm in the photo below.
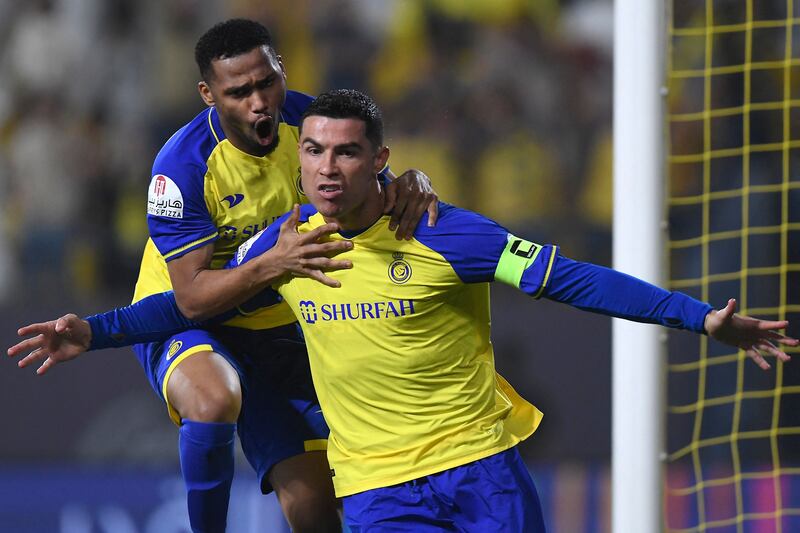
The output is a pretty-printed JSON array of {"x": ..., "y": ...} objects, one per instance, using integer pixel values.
[
  {"x": 606, "y": 291},
  {"x": 57, "y": 341},
  {"x": 756, "y": 337}
]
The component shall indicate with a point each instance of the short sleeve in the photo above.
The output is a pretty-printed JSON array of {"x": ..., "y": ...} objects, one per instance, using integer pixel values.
[{"x": 177, "y": 215}]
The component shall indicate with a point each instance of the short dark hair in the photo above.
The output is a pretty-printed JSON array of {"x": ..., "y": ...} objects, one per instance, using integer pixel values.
[
  {"x": 229, "y": 39},
  {"x": 349, "y": 103}
]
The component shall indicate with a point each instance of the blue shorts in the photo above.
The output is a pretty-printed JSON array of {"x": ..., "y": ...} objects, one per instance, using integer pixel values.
[
  {"x": 280, "y": 415},
  {"x": 495, "y": 494}
]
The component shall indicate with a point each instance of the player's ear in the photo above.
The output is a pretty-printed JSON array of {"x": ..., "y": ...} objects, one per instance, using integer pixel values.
[
  {"x": 381, "y": 158},
  {"x": 205, "y": 93},
  {"x": 280, "y": 62}
]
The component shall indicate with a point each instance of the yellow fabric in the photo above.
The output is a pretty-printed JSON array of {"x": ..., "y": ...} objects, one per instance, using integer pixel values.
[
  {"x": 271, "y": 184},
  {"x": 173, "y": 414},
  {"x": 403, "y": 364}
]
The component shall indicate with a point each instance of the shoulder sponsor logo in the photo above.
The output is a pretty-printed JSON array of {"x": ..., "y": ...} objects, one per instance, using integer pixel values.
[
  {"x": 311, "y": 313},
  {"x": 164, "y": 198},
  {"x": 233, "y": 199},
  {"x": 174, "y": 347},
  {"x": 399, "y": 269}
]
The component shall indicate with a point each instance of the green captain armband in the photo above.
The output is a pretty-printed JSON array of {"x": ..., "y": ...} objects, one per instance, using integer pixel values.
[{"x": 518, "y": 255}]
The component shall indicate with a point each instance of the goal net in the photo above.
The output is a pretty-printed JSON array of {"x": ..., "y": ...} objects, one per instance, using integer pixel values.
[{"x": 733, "y": 204}]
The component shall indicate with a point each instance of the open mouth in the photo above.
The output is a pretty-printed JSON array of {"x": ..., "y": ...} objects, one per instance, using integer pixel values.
[
  {"x": 329, "y": 191},
  {"x": 264, "y": 130}
]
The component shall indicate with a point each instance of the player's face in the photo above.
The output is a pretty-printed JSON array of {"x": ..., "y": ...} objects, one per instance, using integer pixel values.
[
  {"x": 339, "y": 168},
  {"x": 249, "y": 91}
]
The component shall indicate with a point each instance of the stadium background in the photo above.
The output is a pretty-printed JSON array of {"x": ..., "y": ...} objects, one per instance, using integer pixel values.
[{"x": 505, "y": 104}]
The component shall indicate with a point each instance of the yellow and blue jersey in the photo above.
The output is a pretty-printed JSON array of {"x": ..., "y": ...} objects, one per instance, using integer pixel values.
[
  {"x": 205, "y": 190},
  {"x": 401, "y": 354}
]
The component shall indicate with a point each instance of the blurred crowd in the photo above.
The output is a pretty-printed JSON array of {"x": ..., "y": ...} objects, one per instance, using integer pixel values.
[{"x": 506, "y": 105}]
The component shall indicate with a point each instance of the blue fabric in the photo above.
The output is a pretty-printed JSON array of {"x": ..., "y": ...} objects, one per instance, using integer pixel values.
[
  {"x": 492, "y": 494},
  {"x": 280, "y": 410},
  {"x": 606, "y": 291},
  {"x": 470, "y": 242},
  {"x": 206, "y": 452},
  {"x": 148, "y": 320}
]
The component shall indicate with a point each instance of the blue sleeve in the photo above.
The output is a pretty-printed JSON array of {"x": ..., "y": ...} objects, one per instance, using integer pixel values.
[
  {"x": 266, "y": 238},
  {"x": 156, "y": 317},
  {"x": 481, "y": 250},
  {"x": 150, "y": 319},
  {"x": 609, "y": 292},
  {"x": 295, "y": 105},
  {"x": 177, "y": 216}
]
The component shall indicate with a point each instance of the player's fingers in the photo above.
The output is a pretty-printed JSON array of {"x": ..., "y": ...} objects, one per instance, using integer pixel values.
[
  {"x": 409, "y": 220},
  {"x": 433, "y": 210},
  {"x": 398, "y": 212},
  {"x": 775, "y": 336},
  {"x": 391, "y": 197},
  {"x": 758, "y": 358},
  {"x": 47, "y": 365},
  {"x": 727, "y": 311},
  {"x": 28, "y": 345},
  {"x": 318, "y": 233},
  {"x": 325, "y": 280},
  {"x": 291, "y": 221},
  {"x": 34, "y": 329},
  {"x": 329, "y": 248},
  {"x": 36, "y": 355},
  {"x": 768, "y": 347},
  {"x": 325, "y": 263},
  {"x": 66, "y": 323},
  {"x": 767, "y": 325}
]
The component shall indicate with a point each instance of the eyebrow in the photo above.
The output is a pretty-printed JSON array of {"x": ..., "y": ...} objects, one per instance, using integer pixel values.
[
  {"x": 244, "y": 86},
  {"x": 337, "y": 147}
]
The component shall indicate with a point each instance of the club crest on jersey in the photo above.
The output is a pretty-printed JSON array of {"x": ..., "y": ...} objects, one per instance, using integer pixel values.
[
  {"x": 174, "y": 347},
  {"x": 399, "y": 269},
  {"x": 164, "y": 198}
]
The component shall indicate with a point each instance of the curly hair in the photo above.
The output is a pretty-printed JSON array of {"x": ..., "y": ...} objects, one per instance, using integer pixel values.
[{"x": 229, "y": 39}]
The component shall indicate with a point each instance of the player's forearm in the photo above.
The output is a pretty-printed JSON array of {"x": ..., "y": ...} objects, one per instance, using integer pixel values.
[
  {"x": 151, "y": 319},
  {"x": 213, "y": 292},
  {"x": 606, "y": 291}
]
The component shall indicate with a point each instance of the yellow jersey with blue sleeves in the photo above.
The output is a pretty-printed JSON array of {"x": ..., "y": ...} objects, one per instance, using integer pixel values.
[
  {"x": 401, "y": 355},
  {"x": 205, "y": 190}
]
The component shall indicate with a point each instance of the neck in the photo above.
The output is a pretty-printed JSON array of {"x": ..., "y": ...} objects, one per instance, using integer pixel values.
[{"x": 363, "y": 216}]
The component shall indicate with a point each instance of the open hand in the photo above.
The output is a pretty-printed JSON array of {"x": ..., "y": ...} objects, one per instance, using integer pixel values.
[
  {"x": 756, "y": 337},
  {"x": 308, "y": 255},
  {"x": 53, "y": 342}
]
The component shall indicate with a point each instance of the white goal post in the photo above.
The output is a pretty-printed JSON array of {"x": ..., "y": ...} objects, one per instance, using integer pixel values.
[{"x": 637, "y": 352}]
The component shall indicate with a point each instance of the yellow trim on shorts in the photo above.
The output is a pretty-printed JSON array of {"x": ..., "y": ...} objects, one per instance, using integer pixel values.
[
  {"x": 173, "y": 414},
  {"x": 315, "y": 445}
]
